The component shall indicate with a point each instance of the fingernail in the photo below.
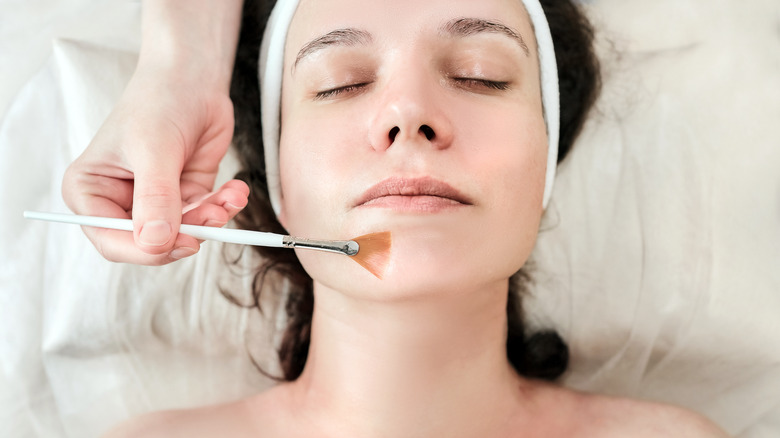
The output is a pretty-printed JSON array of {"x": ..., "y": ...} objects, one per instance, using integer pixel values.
[
  {"x": 180, "y": 253},
  {"x": 230, "y": 206},
  {"x": 155, "y": 233},
  {"x": 214, "y": 223}
]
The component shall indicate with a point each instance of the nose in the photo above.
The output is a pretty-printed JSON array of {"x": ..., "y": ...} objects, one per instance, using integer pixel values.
[{"x": 411, "y": 109}]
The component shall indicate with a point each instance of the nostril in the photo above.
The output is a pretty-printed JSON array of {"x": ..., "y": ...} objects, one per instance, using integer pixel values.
[
  {"x": 393, "y": 133},
  {"x": 428, "y": 132}
]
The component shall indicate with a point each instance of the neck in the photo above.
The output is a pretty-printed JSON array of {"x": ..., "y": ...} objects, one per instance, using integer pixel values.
[{"x": 433, "y": 366}]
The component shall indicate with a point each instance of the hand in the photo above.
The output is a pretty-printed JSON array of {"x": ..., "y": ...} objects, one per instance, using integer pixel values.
[{"x": 158, "y": 152}]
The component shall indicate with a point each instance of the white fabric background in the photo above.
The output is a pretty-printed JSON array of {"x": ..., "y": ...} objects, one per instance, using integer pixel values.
[
  {"x": 660, "y": 265},
  {"x": 658, "y": 260}
]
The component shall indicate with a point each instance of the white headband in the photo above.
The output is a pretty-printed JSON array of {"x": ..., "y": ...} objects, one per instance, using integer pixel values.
[{"x": 271, "y": 69}]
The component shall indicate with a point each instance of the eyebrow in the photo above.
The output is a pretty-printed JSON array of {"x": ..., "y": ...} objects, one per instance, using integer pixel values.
[
  {"x": 459, "y": 27},
  {"x": 338, "y": 37},
  {"x": 463, "y": 27}
]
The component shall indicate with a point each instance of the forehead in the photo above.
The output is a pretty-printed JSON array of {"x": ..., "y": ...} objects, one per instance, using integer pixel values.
[{"x": 399, "y": 20}]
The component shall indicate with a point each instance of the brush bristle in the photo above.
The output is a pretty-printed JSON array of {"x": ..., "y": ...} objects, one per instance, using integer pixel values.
[{"x": 374, "y": 252}]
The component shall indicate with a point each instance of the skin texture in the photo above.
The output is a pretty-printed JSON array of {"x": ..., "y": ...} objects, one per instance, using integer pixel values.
[{"x": 421, "y": 352}]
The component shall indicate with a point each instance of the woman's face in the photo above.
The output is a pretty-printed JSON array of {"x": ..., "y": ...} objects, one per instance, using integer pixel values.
[{"x": 419, "y": 118}]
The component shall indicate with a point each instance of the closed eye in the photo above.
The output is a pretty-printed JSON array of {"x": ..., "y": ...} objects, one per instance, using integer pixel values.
[
  {"x": 481, "y": 83},
  {"x": 335, "y": 92}
]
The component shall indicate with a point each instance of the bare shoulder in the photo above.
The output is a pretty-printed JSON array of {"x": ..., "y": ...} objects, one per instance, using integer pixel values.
[
  {"x": 210, "y": 421},
  {"x": 591, "y": 415},
  {"x": 617, "y": 417}
]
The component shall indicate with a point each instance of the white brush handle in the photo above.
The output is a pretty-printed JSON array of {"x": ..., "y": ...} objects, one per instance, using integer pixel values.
[{"x": 228, "y": 235}]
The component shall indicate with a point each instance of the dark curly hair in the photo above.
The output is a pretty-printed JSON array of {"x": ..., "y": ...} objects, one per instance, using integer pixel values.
[{"x": 542, "y": 355}]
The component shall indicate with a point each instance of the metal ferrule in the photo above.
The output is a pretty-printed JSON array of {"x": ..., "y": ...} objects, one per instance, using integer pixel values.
[{"x": 347, "y": 247}]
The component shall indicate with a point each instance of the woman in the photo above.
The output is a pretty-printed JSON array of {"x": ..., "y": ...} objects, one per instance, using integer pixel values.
[{"x": 426, "y": 120}]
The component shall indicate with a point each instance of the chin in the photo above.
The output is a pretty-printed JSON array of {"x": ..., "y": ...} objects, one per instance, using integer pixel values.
[{"x": 424, "y": 261}]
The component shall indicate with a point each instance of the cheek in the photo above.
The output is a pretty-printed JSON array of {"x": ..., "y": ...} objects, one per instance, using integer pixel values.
[
  {"x": 314, "y": 165},
  {"x": 312, "y": 186},
  {"x": 513, "y": 161}
]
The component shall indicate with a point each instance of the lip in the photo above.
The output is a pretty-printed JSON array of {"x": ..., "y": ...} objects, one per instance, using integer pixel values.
[{"x": 424, "y": 194}]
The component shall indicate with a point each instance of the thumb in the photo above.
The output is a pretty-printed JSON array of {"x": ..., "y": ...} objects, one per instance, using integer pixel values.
[{"x": 157, "y": 208}]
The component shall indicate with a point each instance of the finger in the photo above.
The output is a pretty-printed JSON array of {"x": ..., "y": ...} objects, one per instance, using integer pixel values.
[
  {"x": 209, "y": 215},
  {"x": 119, "y": 246},
  {"x": 111, "y": 196},
  {"x": 108, "y": 194},
  {"x": 157, "y": 204},
  {"x": 232, "y": 197},
  {"x": 236, "y": 191},
  {"x": 237, "y": 184}
]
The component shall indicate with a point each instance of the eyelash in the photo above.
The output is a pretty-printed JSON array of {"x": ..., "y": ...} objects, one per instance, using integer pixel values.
[
  {"x": 493, "y": 85},
  {"x": 333, "y": 92},
  {"x": 468, "y": 82}
]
